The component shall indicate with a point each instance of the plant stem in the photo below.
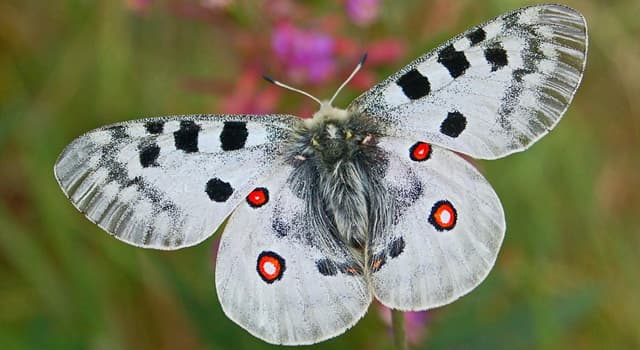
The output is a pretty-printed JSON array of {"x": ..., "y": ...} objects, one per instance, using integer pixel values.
[{"x": 399, "y": 334}]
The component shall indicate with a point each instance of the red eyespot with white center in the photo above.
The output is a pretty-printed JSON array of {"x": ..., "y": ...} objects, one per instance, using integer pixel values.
[
  {"x": 443, "y": 216},
  {"x": 258, "y": 197},
  {"x": 270, "y": 266},
  {"x": 420, "y": 151}
]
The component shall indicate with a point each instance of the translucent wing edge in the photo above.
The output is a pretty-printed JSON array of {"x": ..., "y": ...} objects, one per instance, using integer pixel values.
[{"x": 569, "y": 27}]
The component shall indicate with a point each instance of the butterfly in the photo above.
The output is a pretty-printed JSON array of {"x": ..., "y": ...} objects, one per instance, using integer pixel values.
[{"x": 371, "y": 201}]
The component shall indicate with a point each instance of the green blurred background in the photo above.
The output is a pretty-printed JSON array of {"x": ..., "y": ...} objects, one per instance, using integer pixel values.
[{"x": 567, "y": 274}]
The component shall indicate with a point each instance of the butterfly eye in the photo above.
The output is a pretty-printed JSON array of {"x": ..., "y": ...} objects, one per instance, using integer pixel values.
[{"x": 348, "y": 134}]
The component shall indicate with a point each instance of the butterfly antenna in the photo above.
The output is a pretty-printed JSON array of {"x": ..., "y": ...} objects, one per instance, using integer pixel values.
[
  {"x": 282, "y": 85},
  {"x": 360, "y": 64}
]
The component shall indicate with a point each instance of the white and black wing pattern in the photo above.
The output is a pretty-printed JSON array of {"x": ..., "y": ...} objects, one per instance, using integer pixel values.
[
  {"x": 491, "y": 91},
  {"x": 281, "y": 274},
  {"x": 446, "y": 232},
  {"x": 169, "y": 182}
]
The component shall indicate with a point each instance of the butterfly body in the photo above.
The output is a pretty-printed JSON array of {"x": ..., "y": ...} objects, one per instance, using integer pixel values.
[
  {"x": 335, "y": 160},
  {"x": 328, "y": 213}
]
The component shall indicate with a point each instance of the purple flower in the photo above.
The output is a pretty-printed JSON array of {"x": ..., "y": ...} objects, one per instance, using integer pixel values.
[
  {"x": 307, "y": 55},
  {"x": 363, "y": 12},
  {"x": 415, "y": 323}
]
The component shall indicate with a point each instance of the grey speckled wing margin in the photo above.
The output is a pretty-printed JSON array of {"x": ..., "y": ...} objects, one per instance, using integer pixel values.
[
  {"x": 159, "y": 182},
  {"x": 491, "y": 91}
]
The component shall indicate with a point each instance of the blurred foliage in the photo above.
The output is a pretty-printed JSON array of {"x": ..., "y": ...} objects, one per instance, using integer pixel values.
[{"x": 566, "y": 277}]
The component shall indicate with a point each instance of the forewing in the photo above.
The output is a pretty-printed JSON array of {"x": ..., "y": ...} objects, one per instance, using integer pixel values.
[
  {"x": 169, "y": 182},
  {"x": 491, "y": 91},
  {"x": 446, "y": 232},
  {"x": 282, "y": 278}
]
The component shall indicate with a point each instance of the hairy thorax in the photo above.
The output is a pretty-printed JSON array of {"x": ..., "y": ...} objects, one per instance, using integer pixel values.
[{"x": 336, "y": 156}]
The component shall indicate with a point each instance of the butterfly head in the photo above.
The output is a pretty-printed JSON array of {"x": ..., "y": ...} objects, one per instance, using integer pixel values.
[
  {"x": 327, "y": 112},
  {"x": 334, "y": 137}
]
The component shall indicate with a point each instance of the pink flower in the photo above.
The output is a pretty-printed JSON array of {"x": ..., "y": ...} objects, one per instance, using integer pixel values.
[
  {"x": 385, "y": 51},
  {"x": 216, "y": 4},
  {"x": 139, "y": 6},
  {"x": 415, "y": 323},
  {"x": 363, "y": 12},
  {"x": 307, "y": 55},
  {"x": 251, "y": 95}
]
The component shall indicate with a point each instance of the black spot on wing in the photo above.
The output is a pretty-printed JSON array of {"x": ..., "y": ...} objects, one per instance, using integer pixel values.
[
  {"x": 378, "y": 260},
  {"x": 149, "y": 154},
  {"x": 454, "y": 61},
  {"x": 327, "y": 267},
  {"x": 477, "y": 36},
  {"x": 405, "y": 196},
  {"x": 118, "y": 132},
  {"x": 414, "y": 85},
  {"x": 351, "y": 269},
  {"x": 280, "y": 227},
  {"x": 396, "y": 247},
  {"x": 519, "y": 74},
  {"x": 154, "y": 127},
  {"x": 454, "y": 124},
  {"x": 135, "y": 181},
  {"x": 186, "y": 138},
  {"x": 218, "y": 190},
  {"x": 496, "y": 56},
  {"x": 233, "y": 135}
]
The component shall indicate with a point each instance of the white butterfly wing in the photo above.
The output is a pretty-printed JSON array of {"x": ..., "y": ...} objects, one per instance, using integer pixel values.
[
  {"x": 168, "y": 183},
  {"x": 446, "y": 232},
  {"x": 280, "y": 278},
  {"x": 491, "y": 91}
]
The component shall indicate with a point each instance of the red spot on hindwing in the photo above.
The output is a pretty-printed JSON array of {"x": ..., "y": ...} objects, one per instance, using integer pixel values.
[
  {"x": 258, "y": 197},
  {"x": 443, "y": 216},
  {"x": 420, "y": 151},
  {"x": 270, "y": 266}
]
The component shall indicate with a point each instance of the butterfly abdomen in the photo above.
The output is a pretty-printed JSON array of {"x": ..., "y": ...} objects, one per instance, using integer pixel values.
[{"x": 339, "y": 157}]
